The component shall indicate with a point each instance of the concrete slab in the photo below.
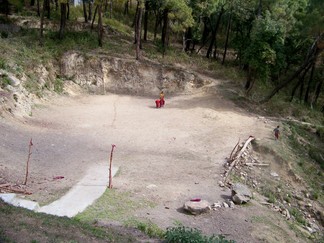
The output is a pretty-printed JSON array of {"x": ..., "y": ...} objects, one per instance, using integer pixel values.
[
  {"x": 83, "y": 194},
  {"x": 11, "y": 198}
]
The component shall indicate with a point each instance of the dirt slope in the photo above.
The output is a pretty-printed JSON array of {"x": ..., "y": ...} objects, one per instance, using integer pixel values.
[{"x": 166, "y": 155}]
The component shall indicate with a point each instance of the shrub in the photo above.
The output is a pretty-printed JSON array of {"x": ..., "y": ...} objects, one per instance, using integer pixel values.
[
  {"x": 317, "y": 155},
  {"x": 189, "y": 235}
]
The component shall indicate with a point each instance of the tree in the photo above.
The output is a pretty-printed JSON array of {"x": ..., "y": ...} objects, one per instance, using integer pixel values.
[
  {"x": 138, "y": 27},
  {"x": 63, "y": 4},
  {"x": 177, "y": 17}
]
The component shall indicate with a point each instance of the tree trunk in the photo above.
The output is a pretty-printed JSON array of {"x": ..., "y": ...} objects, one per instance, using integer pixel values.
[
  {"x": 84, "y": 11},
  {"x": 68, "y": 10},
  {"x": 63, "y": 20},
  {"x": 285, "y": 83},
  {"x": 146, "y": 20},
  {"x": 138, "y": 31},
  {"x": 32, "y": 3},
  {"x": 38, "y": 8},
  {"x": 188, "y": 39},
  {"x": 318, "y": 90},
  {"x": 41, "y": 29},
  {"x": 158, "y": 20},
  {"x": 135, "y": 16},
  {"x": 48, "y": 8},
  {"x": 94, "y": 17},
  {"x": 90, "y": 5},
  {"x": 309, "y": 60},
  {"x": 250, "y": 80},
  {"x": 165, "y": 28},
  {"x": 111, "y": 9},
  {"x": 100, "y": 29},
  {"x": 299, "y": 83},
  {"x": 214, "y": 33},
  {"x": 306, "y": 98},
  {"x": 227, "y": 37},
  {"x": 126, "y": 7}
]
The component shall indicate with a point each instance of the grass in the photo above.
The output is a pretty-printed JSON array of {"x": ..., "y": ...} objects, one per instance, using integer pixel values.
[
  {"x": 113, "y": 205},
  {"x": 192, "y": 235},
  {"x": 38, "y": 227},
  {"x": 147, "y": 227}
]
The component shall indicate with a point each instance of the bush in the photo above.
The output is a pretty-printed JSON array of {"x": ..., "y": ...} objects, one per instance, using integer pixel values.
[
  {"x": 189, "y": 235},
  {"x": 317, "y": 155}
]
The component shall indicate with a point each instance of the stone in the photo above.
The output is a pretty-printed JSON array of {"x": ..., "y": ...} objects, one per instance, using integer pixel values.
[
  {"x": 196, "y": 208},
  {"x": 13, "y": 81},
  {"x": 241, "y": 193},
  {"x": 274, "y": 174},
  {"x": 225, "y": 205}
]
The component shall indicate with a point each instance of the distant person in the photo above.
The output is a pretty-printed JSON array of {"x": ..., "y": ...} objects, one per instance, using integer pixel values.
[
  {"x": 162, "y": 102},
  {"x": 276, "y": 132}
]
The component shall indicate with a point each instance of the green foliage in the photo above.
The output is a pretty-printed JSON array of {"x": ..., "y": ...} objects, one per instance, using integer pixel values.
[
  {"x": 149, "y": 228},
  {"x": 189, "y": 235},
  {"x": 58, "y": 85},
  {"x": 4, "y": 81},
  {"x": 298, "y": 215},
  {"x": 317, "y": 155}
]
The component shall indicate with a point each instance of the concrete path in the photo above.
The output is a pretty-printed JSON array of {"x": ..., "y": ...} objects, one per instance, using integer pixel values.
[{"x": 83, "y": 194}]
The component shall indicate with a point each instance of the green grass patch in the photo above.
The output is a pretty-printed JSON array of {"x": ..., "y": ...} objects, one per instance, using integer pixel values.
[
  {"x": 147, "y": 227},
  {"x": 113, "y": 205},
  {"x": 298, "y": 215},
  {"x": 192, "y": 235}
]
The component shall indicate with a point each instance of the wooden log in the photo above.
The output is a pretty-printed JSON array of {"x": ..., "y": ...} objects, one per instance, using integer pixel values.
[
  {"x": 236, "y": 159},
  {"x": 5, "y": 185},
  {"x": 256, "y": 164},
  {"x": 15, "y": 190}
]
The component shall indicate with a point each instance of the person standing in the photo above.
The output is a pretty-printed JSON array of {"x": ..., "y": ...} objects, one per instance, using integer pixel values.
[
  {"x": 276, "y": 132},
  {"x": 162, "y": 99}
]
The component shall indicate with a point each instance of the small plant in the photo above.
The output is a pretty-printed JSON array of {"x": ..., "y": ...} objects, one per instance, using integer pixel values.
[
  {"x": 4, "y": 81},
  {"x": 191, "y": 235},
  {"x": 298, "y": 216},
  {"x": 58, "y": 85}
]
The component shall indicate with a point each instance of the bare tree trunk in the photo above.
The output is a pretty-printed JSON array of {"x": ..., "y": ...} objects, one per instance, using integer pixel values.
[
  {"x": 214, "y": 33},
  {"x": 146, "y": 20},
  {"x": 126, "y": 7},
  {"x": 38, "y": 8},
  {"x": 90, "y": 5},
  {"x": 165, "y": 28},
  {"x": 84, "y": 11},
  {"x": 306, "y": 98},
  {"x": 100, "y": 28},
  {"x": 111, "y": 9},
  {"x": 41, "y": 29},
  {"x": 63, "y": 20},
  {"x": 227, "y": 37},
  {"x": 68, "y": 11},
  {"x": 48, "y": 8},
  {"x": 94, "y": 17},
  {"x": 138, "y": 31}
]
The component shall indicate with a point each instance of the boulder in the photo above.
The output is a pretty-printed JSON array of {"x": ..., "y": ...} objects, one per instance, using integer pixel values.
[
  {"x": 197, "y": 207},
  {"x": 241, "y": 193}
]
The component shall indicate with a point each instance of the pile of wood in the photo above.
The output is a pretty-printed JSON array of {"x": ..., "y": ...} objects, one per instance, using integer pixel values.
[
  {"x": 240, "y": 156},
  {"x": 13, "y": 188}
]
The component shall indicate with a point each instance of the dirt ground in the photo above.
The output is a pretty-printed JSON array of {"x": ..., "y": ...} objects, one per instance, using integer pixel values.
[{"x": 167, "y": 155}]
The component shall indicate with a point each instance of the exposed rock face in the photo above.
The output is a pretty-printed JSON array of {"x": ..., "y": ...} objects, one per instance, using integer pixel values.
[
  {"x": 195, "y": 207},
  {"x": 103, "y": 73},
  {"x": 241, "y": 193}
]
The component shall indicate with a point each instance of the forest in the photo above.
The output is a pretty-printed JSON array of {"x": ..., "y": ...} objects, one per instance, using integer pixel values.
[{"x": 277, "y": 43}]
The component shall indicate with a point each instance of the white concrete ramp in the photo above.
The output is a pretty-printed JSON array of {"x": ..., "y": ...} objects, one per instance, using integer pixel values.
[{"x": 80, "y": 196}]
